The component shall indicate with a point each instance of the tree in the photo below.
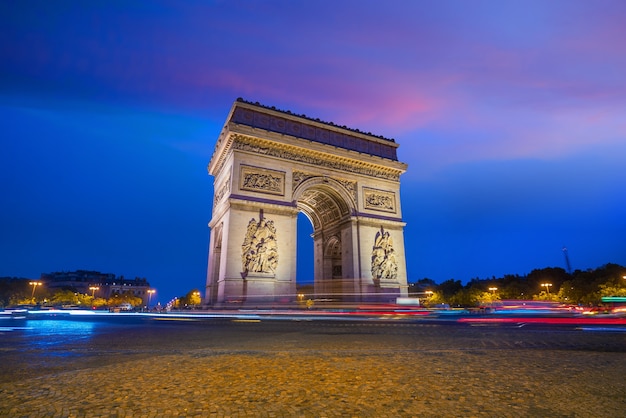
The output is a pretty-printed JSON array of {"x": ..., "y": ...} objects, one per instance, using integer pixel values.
[
  {"x": 611, "y": 290},
  {"x": 191, "y": 300},
  {"x": 569, "y": 294},
  {"x": 449, "y": 288},
  {"x": 117, "y": 299},
  {"x": 63, "y": 297},
  {"x": 544, "y": 295},
  {"x": 466, "y": 297},
  {"x": 434, "y": 299},
  {"x": 14, "y": 291},
  {"x": 421, "y": 286}
]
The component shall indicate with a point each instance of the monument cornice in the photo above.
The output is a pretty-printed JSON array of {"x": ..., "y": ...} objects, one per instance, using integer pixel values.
[
  {"x": 271, "y": 119},
  {"x": 315, "y": 157},
  {"x": 268, "y": 122},
  {"x": 224, "y": 144},
  {"x": 240, "y": 102}
]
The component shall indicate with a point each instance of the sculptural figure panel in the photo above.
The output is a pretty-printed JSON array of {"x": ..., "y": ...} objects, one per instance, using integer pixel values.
[
  {"x": 384, "y": 263},
  {"x": 262, "y": 180},
  {"x": 259, "y": 252}
]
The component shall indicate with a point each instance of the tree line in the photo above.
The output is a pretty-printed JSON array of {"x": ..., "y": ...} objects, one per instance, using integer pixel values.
[
  {"x": 582, "y": 287},
  {"x": 19, "y": 291},
  {"x": 16, "y": 291}
]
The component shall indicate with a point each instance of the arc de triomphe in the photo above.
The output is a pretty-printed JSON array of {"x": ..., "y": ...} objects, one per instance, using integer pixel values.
[{"x": 269, "y": 165}]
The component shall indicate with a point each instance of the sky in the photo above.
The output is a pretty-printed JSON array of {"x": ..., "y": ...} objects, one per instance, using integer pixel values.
[{"x": 511, "y": 116}]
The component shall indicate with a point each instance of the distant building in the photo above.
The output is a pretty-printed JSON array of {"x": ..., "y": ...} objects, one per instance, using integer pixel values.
[{"x": 81, "y": 281}]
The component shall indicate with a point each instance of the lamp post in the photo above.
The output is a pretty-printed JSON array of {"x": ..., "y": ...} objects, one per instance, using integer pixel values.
[
  {"x": 93, "y": 290},
  {"x": 493, "y": 289},
  {"x": 34, "y": 285},
  {"x": 547, "y": 286},
  {"x": 150, "y": 293}
]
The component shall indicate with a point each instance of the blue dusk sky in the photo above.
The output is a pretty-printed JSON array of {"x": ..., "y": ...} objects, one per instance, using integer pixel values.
[{"x": 511, "y": 116}]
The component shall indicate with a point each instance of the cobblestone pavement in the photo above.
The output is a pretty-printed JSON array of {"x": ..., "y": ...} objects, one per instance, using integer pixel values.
[{"x": 319, "y": 370}]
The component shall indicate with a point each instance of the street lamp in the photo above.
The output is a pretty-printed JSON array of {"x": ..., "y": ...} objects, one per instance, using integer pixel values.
[
  {"x": 93, "y": 290},
  {"x": 34, "y": 285},
  {"x": 547, "y": 286},
  {"x": 493, "y": 289},
  {"x": 150, "y": 293}
]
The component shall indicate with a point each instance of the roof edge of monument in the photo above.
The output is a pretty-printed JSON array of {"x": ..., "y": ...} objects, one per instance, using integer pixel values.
[{"x": 303, "y": 116}]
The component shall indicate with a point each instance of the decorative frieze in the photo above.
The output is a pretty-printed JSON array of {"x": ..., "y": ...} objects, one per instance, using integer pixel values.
[
  {"x": 379, "y": 200},
  {"x": 262, "y": 180},
  {"x": 350, "y": 186},
  {"x": 298, "y": 177},
  {"x": 244, "y": 143}
]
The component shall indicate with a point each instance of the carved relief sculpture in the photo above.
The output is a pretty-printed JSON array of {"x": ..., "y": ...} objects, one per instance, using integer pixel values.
[
  {"x": 384, "y": 264},
  {"x": 262, "y": 180},
  {"x": 350, "y": 187},
  {"x": 298, "y": 177},
  {"x": 379, "y": 200},
  {"x": 244, "y": 143},
  {"x": 259, "y": 252}
]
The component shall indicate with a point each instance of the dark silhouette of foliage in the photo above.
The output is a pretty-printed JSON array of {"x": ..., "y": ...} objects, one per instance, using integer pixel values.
[{"x": 581, "y": 287}]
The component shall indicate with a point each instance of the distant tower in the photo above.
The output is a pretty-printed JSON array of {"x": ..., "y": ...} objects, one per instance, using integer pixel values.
[{"x": 569, "y": 267}]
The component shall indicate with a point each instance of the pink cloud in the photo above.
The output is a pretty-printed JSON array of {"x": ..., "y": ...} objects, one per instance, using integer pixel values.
[{"x": 511, "y": 83}]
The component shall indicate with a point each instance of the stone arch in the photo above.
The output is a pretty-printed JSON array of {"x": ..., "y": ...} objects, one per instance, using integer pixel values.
[
  {"x": 323, "y": 201},
  {"x": 330, "y": 208},
  {"x": 332, "y": 247},
  {"x": 268, "y": 166}
]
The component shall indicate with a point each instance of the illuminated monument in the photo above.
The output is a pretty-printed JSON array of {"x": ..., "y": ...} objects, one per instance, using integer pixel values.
[{"x": 269, "y": 165}]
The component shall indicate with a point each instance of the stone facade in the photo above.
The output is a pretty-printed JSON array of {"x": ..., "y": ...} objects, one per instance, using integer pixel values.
[{"x": 268, "y": 166}]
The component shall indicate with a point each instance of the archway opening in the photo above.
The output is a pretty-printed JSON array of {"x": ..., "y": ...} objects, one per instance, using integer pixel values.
[
  {"x": 304, "y": 257},
  {"x": 324, "y": 217}
]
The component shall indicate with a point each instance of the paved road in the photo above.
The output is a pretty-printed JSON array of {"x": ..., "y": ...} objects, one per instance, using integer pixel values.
[{"x": 250, "y": 367}]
